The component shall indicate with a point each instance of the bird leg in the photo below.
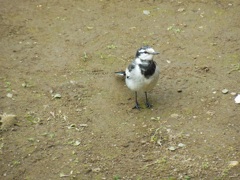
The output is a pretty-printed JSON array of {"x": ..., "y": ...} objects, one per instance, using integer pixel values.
[
  {"x": 148, "y": 105},
  {"x": 137, "y": 105}
]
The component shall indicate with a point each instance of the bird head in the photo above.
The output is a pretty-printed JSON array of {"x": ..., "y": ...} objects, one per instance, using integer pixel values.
[{"x": 146, "y": 53}]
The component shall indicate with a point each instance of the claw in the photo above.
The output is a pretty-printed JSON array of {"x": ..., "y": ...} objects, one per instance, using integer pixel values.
[
  {"x": 148, "y": 105},
  {"x": 137, "y": 106}
]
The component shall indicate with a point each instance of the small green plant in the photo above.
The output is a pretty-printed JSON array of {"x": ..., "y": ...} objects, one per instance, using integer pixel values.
[
  {"x": 1, "y": 147},
  {"x": 102, "y": 56},
  {"x": 8, "y": 86},
  {"x": 117, "y": 177},
  {"x": 50, "y": 135},
  {"x": 225, "y": 172},
  {"x": 205, "y": 165},
  {"x": 85, "y": 56},
  {"x": 154, "y": 137},
  {"x": 163, "y": 160},
  {"x": 26, "y": 85},
  {"x": 111, "y": 46},
  {"x": 15, "y": 163},
  {"x": 31, "y": 117},
  {"x": 31, "y": 139},
  {"x": 172, "y": 178},
  {"x": 145, "y": 43},
  {"x": 187, "y": 177},
  {"x": 174, "y": 29},
  {"x": 236, "y": 67}
]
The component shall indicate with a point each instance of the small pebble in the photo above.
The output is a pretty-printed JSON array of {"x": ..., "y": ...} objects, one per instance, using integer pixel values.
[
  {"x": 179, "y": 90},
  {"x": 225, "y": 91},
  {"x": 9, "y": 95},
  {"x": 172, "y": 148},
  {"x": 24, "y": 85},
  {"x": 211, "y": 113},
  {"x": 96, "y": 169},
  {"x": 233, "y": 93},
  {"x": 181, "y": 145},
  {"x": 181, "y": 9},
  {"x": 174, "y": 115},
  {"x": 58, "y": 96},
  {"x": 77, "y": 143},
  {"x": 83, "y": 125},
  {"x": 159, "y": 142},
  {"x": 146, "y": 12},
  {"x": 237, "y": 99},
  {"x": 233, "y": 163}
]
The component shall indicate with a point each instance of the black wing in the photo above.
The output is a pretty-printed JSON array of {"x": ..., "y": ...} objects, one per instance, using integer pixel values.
[{"x": 131, "y": 66}]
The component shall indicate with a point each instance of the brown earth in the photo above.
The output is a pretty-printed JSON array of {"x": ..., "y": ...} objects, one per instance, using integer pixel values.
[{"x": 72, "y": 117}]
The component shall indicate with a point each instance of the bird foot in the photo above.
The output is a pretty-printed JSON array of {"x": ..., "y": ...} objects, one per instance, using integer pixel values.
[
  {"x": 148, "y": 105},
  {"x": 137, "y": 106}
]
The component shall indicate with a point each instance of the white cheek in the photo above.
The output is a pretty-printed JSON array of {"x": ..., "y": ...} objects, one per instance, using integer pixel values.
[
  {"x": 146, "y": 56},
  {"x": 143, "y": 56}
]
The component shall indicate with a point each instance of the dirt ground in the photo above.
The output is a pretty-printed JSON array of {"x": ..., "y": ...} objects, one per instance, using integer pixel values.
[{"x": 65, "y": 115}]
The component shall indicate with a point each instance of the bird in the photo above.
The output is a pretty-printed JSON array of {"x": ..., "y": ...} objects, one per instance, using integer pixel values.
[{"x": 142, "y": 73}]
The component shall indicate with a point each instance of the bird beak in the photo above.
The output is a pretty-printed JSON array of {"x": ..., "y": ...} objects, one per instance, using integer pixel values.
[{"x": 155, "y": 53}]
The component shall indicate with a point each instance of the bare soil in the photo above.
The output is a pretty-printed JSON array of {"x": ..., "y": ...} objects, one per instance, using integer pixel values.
[{"x": 65, "y": 115}]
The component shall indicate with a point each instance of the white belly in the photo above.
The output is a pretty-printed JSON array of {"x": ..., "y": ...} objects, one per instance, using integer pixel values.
[{"x": 137, "y": 82}]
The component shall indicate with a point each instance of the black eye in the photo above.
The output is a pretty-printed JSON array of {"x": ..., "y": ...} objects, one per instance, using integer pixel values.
[{"x": 146, "y": 52}]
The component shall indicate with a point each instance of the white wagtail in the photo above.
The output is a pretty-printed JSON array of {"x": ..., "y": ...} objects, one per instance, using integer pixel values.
[{"x": 142, "y": 74}]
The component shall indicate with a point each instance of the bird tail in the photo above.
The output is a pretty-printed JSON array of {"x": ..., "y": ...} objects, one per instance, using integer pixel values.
[{"x": 121, "y": 73}]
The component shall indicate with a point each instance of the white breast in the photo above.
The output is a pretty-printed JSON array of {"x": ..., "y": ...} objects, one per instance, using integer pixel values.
[{"x": 137, "y": 82}]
